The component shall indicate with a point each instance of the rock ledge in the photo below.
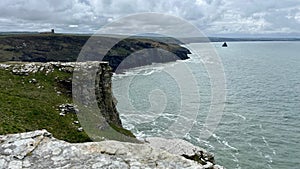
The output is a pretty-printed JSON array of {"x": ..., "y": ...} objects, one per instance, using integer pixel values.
[{"x": 38, "y": 149}]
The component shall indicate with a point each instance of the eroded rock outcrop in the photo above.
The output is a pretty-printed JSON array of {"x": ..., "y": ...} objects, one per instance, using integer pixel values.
[
  {"x": 38, "y": 149},
  {"x": 185, "y": 149}
]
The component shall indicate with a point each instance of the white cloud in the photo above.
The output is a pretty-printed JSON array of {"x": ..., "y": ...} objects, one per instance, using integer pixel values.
[
  {"x": 73, "y": 26},
  {"x": 210, "y": 16},
  {"x": 297, "y": 17}
]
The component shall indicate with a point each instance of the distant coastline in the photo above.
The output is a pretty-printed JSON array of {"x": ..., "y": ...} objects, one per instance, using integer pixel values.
[
  {"x": 171, "y": 39},
  {"x": 51, "y": 46}
]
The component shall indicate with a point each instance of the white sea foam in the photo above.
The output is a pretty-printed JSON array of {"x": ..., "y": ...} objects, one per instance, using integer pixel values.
[
  {"x": 224, "y": 142},
  {"x": 268, "y": 146},
  {"x": 229, "y": 146},
  {"x": 235, "y": 159},
  {"x": 145, "y": 70},
  {"x": 238, "y": 115}
]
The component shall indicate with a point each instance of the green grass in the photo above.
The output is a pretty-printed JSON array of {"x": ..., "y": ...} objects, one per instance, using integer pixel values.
[{"x": 25, "y": 107}]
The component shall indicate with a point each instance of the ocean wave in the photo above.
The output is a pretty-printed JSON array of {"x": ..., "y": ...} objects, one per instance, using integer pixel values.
[
  {"x": 224, "y": 142},
  {"x": 145, "y": 70},
  {"x": 268, "y": 146},
  {"x": 229, "y": 146}
]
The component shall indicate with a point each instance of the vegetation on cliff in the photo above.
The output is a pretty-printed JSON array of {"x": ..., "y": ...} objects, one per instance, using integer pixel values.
[
  {"x": 66, "y": 48},
  {"x": 39, "y": 96},
  {"x": 26, "y": 105}
]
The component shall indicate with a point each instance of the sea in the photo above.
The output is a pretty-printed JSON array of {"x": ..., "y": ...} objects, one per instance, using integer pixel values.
[{"x": 257, "y": 125}]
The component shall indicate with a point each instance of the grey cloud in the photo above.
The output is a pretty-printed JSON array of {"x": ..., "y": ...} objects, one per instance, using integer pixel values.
[{"x": 210, "y": 16}]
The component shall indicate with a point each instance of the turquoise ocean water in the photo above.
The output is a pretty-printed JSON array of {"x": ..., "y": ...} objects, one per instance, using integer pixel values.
[{"x": 260, "y": 126}]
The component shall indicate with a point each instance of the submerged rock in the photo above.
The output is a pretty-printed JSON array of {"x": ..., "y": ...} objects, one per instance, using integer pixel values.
[{"x": 38, "y": 149}]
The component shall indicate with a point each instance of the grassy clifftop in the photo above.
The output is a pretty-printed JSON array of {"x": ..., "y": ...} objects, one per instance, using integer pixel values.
[
  {"x": 30, "y": 102},
  {"x": 36, "y": 96},
  {"x": 66, "y": 48},
  {"x": 41, "y": 47}
]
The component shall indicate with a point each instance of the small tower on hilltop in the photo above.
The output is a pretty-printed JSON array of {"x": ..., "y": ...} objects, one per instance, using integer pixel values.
[{"x": 52, "y": 31}]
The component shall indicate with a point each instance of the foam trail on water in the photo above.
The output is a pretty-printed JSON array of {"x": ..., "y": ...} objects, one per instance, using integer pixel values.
[{"x": 238, "y": 115}]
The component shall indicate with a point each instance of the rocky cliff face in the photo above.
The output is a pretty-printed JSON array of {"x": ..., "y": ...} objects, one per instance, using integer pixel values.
[
  {"x": 92, "y": 94},
  {"x": 131, "y": 53},
  {"x": 38, "y": 149},
  {"x": 92, "y": 87}
]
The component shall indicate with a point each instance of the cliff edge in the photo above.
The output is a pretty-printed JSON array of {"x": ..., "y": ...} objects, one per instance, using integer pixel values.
[{"x": 38, "y": 149}]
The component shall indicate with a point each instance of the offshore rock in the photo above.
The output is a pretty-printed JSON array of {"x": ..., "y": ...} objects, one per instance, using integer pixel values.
[{"x": 38, "y": 149}]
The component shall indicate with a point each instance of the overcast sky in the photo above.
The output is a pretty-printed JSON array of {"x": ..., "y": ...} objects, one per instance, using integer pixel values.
[{"x": 213, "y": 17}]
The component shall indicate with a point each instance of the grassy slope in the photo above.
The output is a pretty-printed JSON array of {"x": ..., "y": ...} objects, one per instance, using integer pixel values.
[
  {"x": 61, "y": 47},
  {"x": 41, "y": 47},
  {"x": 25, "y": 107}
]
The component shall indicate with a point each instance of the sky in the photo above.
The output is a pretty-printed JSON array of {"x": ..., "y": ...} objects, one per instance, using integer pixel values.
[{"x": 213, "y": 17}]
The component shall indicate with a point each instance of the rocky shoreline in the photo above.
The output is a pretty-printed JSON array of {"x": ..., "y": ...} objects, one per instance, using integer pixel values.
[{"x": 39, "y": 149}]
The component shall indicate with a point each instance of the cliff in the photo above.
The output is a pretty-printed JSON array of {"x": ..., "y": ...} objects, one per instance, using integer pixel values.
[
  {"x": 38, "y": 149},
  {"x": 66, "y": 48},
  {"x": 39, "y": 96}
]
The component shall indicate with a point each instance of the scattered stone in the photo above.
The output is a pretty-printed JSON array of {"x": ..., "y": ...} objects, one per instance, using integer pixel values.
[
  {"x": 76, "y": 122},
  {"x": 62, "y": 114},
  {"x": 32, "y": 67},
  {"x": 33, "y": 81},
  {"x": 40, "y": 87},
  {"x": 68, "y": 108},
  {"x": 4, "y": 66},
  {"x": 80, "y": 129}
]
